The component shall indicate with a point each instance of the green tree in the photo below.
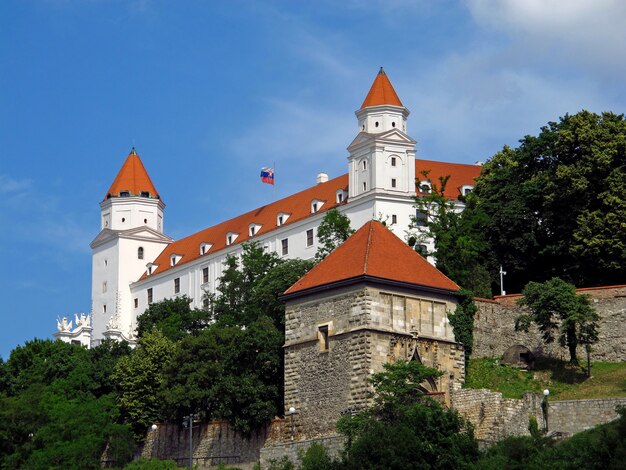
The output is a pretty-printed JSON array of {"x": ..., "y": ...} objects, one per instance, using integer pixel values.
[
  {"x": 233, "y": 368},
  {"x": 139, "y": 379},
  {"x": 173, "y": 317},
  {"x": 556, "y": 205},
  {"x": 334, "y": 229},
  {"x": 404, "y": 429},
  {"x": 461, "y": 251},
  {"x": 462, "y": 321},
  {"x": 556, "y": 308}
]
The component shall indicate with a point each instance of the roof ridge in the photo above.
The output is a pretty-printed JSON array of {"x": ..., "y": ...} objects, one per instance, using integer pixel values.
[{"x": 368, "y": 244}]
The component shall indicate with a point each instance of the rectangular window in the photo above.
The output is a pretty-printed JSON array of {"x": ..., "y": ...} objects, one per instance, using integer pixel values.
[
  {"x": 323, "y": 337},
  {"x": 285, "y": 246},
  {"x": 205, "y": 275},
  {"x": 104, "y": 287},
  {"x": 315, "y": 207},
  {"x": 309, "y": 237},
  {"x": 339, "y": 197},
  {"x": 393, "y": 161},
  {"x": 394, "y": 219},
  {"x": 176, "y": 285},
  {"x": 136, "y": 302},
  {"x": 149, "y": 296},
  {"x": 280, "y": 220},
  {"x": 205, "y": 302},
  {"x": 393, "y": 182},
  {"x": 104, "y": 308}
]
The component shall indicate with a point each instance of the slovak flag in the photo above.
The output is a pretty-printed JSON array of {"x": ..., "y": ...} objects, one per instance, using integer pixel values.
[{"x": 267, "y": 175}]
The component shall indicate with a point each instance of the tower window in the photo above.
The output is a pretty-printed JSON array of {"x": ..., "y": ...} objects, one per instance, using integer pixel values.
[
  {"x": 309, "y": 237},
  {"x": 140, "y": 252},
  {"x": 394, "y": 219},
  {"x": 393, "y": 161},
  {"x": 393, "y": 182},
  {"x": 323, "y": 337},
  {"x": 145, "y": 221},
  {"x": 124, "y": 193},
  {"x": 104, "y": 308},
  {"x": 136, "y": 302},
  {"x": 364, "y": 186},
  {"x": 145, "y": 194},
  {"x": 393, "y": 124},
  {"x": 104, "y": 287},
  {"x": 123, "y": 219},
  {"x": 364, "y": 165},
  {"x": 285, "y": 246},
  {"x": 177, "y": 285},
  {"x": 205, "y": 275},
  {"x": 376, "y": 123},
  {"x": 149, "y": 296}
]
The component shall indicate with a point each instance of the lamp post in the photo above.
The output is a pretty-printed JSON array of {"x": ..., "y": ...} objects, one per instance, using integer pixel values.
[
  {"x": 155, "y": 437},
  {"x": 292, "y": 412},
  {"x": 546, "y": 393},
  {"x": 502, "y": 274},
  {"x": 188, "y": 422}
]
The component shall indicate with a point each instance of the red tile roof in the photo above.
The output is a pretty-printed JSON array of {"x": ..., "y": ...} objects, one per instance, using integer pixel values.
[
  {"x": 133, "y": 178},
  {"x": 298, "y": 206},
  {"x": 376, "y": 252},
  {"x": 381, "y": 92},
  {"x": 460, "y": 174}
]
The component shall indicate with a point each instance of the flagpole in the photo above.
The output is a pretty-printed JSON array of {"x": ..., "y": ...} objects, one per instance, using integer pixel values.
[{"x": 274, "y": 185}]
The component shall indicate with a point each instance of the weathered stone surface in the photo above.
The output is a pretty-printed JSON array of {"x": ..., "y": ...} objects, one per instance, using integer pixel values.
[
  {"x": 494, "y": 327},
  {"x": 572, "y": 416}
]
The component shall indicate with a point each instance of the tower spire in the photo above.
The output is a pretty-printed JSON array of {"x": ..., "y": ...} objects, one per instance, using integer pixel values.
[
  {"x": 381, "y": 92},
  {"x": 132, "y": 179}
]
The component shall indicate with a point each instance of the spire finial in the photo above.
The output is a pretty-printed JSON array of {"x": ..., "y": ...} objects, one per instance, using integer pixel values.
[
  {"x": 381, "y": 70},
  {"x": 133, "y": 151}
]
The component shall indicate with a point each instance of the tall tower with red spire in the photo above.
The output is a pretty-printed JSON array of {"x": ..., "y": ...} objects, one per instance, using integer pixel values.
[
  {"x": 131, "y": 236},
  {"x": 382, "y": 156}
]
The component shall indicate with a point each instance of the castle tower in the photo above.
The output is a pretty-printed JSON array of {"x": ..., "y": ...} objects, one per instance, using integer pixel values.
[
  {"x": 382, "y": 156},
  {"x": 131, "y": 236},
  {"x": 371, "y": 301}
]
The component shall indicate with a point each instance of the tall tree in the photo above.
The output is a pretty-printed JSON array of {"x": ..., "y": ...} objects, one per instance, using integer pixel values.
[
  {"x": 334, "y": 229},
  {"x": 173, "y": 317},
  {"x": 556, "y": 307},
  {"x": 461, "y": 251},
  {"x": 556, "y": 205}
]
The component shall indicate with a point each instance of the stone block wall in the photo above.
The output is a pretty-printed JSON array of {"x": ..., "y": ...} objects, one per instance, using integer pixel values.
[
  {"x": 572, "y": 416},
  {"x": 495, "y": 417},
  {"x": 214, "y": 443},
  {"x": 494, "y": 327}
]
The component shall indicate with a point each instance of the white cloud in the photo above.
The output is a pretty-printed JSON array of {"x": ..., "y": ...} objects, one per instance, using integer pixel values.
[
  {"x": 10, "y": 185},
  {"x": 589, "y": 33}
]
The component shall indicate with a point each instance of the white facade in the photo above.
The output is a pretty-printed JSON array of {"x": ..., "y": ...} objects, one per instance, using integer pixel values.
[{"x": 125, "y": 280}]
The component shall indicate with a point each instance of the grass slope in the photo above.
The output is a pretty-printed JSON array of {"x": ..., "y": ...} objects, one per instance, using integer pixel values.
[{"x": 565, "y": 382}]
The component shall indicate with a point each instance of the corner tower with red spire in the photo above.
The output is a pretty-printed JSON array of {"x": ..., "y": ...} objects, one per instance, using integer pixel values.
[
  {"x": 382, "y": 156},
  {"x": 130, "y": 238}
]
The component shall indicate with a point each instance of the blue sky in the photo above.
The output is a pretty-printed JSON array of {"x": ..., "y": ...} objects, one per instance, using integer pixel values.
[{"x": 209, "y": 92}]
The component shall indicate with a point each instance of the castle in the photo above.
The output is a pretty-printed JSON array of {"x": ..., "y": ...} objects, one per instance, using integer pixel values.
[{"x": 134, "y": 263}]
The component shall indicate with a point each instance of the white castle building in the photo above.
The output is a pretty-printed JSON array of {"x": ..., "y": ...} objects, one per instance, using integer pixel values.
[{"x": 135, "y": 263}]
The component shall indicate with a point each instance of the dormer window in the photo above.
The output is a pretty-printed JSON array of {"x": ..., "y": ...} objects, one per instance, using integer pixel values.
[
  {"x": 316, "y": 205},
  {"x": 340, "y": 196},
  {"x": 124, "y": 193},
  {"x": 426, "y": 187},
  {"x": 150, "y": 268},
  {"x": 174, "y": 259},
  {"x": 204, "y": 248},
  {"x": 281, "y": 218},
  {"x": 253, "y": 229},
  {"x": 231, "y": 237},
  {"x": 466, "y": 189},
  {"x": 145, "y": 194}
]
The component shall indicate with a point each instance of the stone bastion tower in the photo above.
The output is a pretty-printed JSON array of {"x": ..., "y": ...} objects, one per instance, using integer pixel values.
[{"x": 371, "y": 301}]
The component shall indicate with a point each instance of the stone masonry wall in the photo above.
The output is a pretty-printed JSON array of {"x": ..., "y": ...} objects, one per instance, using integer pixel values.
[
  {"x": 494, "y": 327},
  {"x": 574, "y": 416},
  {"x": 494, "y": 417},
  {"x": 214, "y": 443}
]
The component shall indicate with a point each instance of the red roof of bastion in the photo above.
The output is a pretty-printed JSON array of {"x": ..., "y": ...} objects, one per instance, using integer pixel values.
[{"x": 374, "y": 251}]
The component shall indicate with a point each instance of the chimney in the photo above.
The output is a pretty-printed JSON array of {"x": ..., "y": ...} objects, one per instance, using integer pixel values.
[{"x": 322, "y": 178}]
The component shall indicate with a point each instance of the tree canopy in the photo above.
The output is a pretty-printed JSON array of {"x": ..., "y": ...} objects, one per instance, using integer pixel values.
[
  {"x": 334, "y": 229},
  {"x": 556, "y": 307}
]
